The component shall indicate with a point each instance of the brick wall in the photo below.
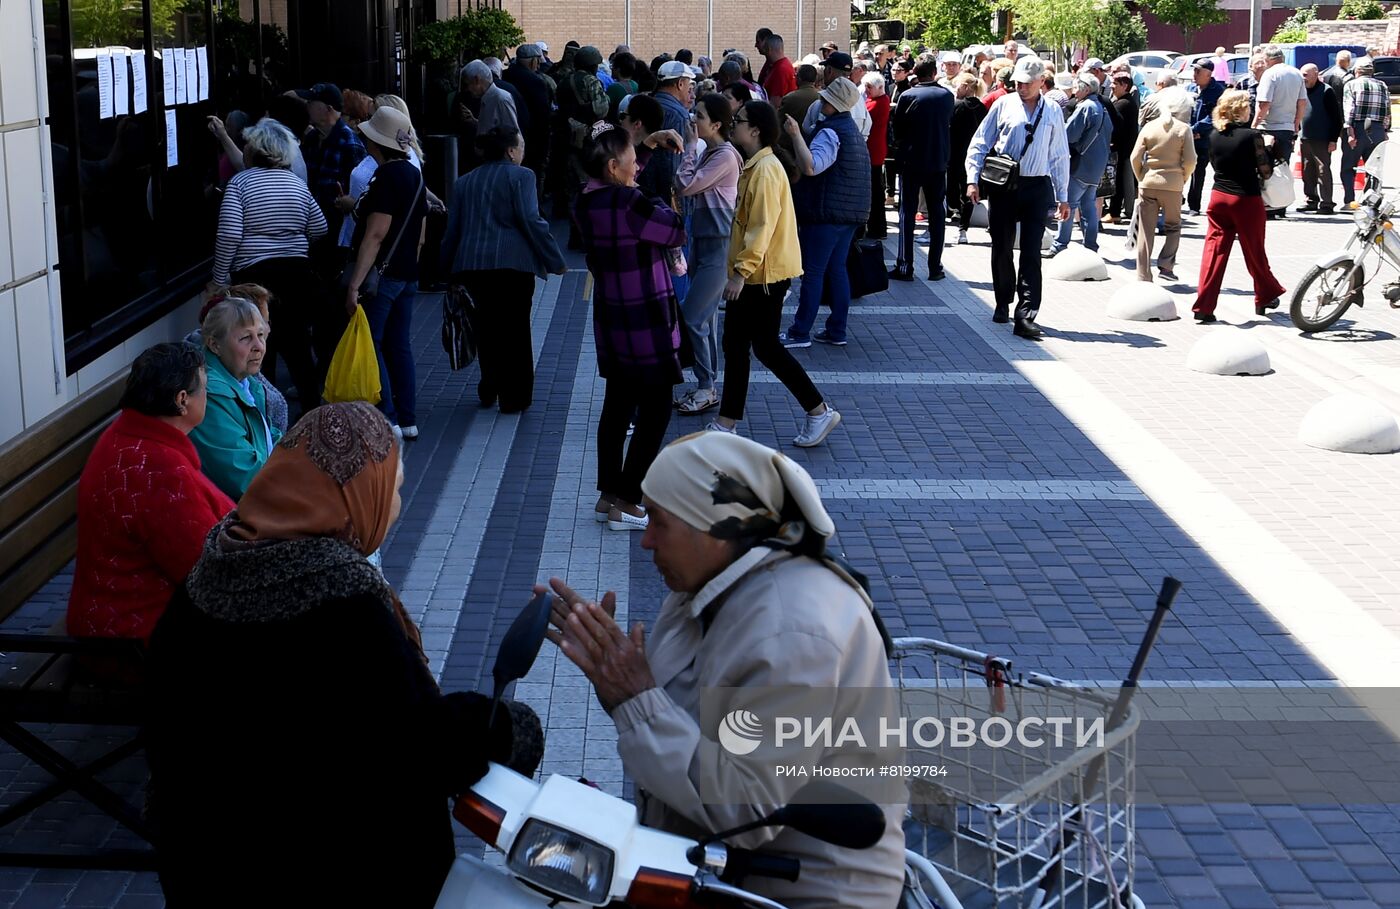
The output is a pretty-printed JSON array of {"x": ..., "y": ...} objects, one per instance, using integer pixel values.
[
  {"x": 1377, "y": 33},
  {"x": 705, "y": 26}
]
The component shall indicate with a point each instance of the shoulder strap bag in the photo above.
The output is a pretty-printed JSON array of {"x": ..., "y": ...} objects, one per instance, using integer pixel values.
[
  {"x": 1000, "y": 172},
  {"x": 370, "y": 285}
]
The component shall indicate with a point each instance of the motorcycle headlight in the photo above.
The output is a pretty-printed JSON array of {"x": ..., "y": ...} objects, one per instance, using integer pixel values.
[
  {"x": 1362, "y": 216},
  {"x": 562, "y": 862}
]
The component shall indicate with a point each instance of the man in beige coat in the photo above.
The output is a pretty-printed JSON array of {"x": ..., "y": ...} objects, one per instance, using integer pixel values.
[
  {"x": 1163, "y": 160},
  {"x": 761, "y": 618}
]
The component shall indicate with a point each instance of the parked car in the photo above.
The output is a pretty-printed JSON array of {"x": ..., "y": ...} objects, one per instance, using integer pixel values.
[
  {"x": 1148, "y": 62},
  {"x": 1181, "y": 66},
  {"x": 1388, "y": 71}
]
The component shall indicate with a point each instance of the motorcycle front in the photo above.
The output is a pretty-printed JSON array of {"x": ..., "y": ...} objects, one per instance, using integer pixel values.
[
  {"x": 565, "y": 843},
  {"x": 1338, "y": 279}
]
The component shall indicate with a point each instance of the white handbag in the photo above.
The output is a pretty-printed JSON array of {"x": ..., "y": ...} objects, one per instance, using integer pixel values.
[{"x": 1278, "y": 189}]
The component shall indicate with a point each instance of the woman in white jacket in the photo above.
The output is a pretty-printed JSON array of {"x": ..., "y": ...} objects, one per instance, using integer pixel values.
[{"x": 761, "y": 618}]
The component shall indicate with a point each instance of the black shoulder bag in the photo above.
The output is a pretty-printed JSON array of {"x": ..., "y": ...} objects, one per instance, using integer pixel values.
[
  {"x": 1001, "y": 172},
  {"x": 370, "y": 285}
]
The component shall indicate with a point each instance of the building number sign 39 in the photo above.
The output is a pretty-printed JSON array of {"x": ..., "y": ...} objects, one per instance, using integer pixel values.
[{"x": 829, "y": 23}]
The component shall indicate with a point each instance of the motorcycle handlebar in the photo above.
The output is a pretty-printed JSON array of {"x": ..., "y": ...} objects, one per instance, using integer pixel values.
[{"x": 745, "y": 862}]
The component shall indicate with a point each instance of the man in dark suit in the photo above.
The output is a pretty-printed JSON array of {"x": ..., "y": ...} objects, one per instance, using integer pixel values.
[
  {"x": 524, "y": 76},
  {"x": 921, "y": 134}
]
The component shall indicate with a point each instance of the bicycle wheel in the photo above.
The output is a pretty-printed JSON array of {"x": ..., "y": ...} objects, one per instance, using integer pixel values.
[{"x": 1324, "y": 294}]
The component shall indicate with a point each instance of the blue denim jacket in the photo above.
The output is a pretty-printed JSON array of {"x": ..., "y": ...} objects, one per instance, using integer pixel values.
[{"x": 1089, "y": 132}]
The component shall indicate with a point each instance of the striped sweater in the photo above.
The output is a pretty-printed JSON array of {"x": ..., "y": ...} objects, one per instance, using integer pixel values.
[
  {"x": 267, "y": 213},
  {"x": 711, "y": 177}
]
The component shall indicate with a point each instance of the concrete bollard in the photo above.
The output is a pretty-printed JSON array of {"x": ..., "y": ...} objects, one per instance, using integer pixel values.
[
  {"x": 1142, "y": 301},
  {"x": 1075, "y": 263},
  {"x": 1350, "y": 423},
  {"x": 1229, "y": 353}
]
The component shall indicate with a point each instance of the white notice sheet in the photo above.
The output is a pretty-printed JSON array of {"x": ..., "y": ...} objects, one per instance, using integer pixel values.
[
  {"x": 167, "y": 75},
  {"x": 203, "y": 54},
  {"x": 138, "y": 82},
  {"x": 121, "y": 96},
  {"x": 191, "y": 77},
  {"x": 178, "y": 63},
  {"x": 104, "y": 86},
  {"x": 172, "y": 141}
]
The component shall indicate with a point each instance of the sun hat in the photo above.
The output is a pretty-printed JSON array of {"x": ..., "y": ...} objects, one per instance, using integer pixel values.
[
  {"x": 841, "y": 94},
  {"x": 389, "y": 127}
]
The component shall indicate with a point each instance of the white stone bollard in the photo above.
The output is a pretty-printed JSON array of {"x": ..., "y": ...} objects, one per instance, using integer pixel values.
[
  {"x": 1075, "y": 263},
  {"x": 1142, "y": 301},
  {"x": 1350, "y": 423},
  {"x": 1229, "y": 353}
]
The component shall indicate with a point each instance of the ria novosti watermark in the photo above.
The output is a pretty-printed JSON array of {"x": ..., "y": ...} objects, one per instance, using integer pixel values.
[{"x": 742, "y": 732}]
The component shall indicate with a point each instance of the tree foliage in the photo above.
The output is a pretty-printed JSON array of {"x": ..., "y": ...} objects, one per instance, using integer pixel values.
[
  {"x": 947, "y": 23},
  {"x": 1058, "y": 24},
  {"x": 1120, "y": 31},
  {"x": 1187, "y": 15},
  {"x": 1294, "y": 29},
  {"x": 103, "y": 23},
  {"x": 1361, "y": 9},
  {"x": 474, "y": 34}
]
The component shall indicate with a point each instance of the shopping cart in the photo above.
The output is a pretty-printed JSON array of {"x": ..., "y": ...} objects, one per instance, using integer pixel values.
[{"x": 1043, "y": 819}]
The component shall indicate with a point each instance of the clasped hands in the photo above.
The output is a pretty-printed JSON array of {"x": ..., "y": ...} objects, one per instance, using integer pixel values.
[{"x": 615, "y": 662}]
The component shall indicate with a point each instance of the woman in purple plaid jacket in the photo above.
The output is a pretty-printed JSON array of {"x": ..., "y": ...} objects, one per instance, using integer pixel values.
[{"x": 635, "y": 321}]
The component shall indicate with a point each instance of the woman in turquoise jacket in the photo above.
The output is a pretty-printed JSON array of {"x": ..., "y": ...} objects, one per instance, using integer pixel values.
[{"x": 236, "y": 437}]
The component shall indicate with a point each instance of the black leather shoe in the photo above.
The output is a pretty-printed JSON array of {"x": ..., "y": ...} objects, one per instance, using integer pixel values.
[
  {"x": 901, "y": 274},
  {"x": 1307, "y": 206},
  {"x": 1027, "y": 329},
  {"x": 1205, "y": 318},
  {"x": 1272, "y": 304},
  {"x": 1001, "y": 315},
  {"x": 937, "y": 275}
]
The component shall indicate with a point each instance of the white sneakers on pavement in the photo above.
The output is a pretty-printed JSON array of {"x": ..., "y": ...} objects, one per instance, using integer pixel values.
[
  {"x": 623, "y": 520},
  {"x": 817, "y": 428}
]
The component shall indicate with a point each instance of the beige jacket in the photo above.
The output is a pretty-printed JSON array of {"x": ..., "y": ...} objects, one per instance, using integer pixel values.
[
  {"x": 783, "y": 621},
  {"x": 1165, "y": 155}
]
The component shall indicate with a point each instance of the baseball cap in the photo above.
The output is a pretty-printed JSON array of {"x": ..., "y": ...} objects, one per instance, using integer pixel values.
[
  {"x": 839, "y": 60},
  {"x": 904, "y": 64},
  {"x": 543, "y": 46},
  {"x": 1028, "y": 69},
  {"x": 1089, "y": 79},
  {"x": 324, "y": 92},
  {"x": 588, "y": 55},
  {"x": 1205, "y": 64},
  {"x": 949, "y": 57},
  {"x": 1094, "y": 63},
  {"x": 672, "y": 70},
  {"x": 1364, "y": 63},
  {"x": 841, "y": 94},
  {"x": 528, "y": 50},
  {"x": 830, "y": 45},
  {"x": 1064, "y": 81}
]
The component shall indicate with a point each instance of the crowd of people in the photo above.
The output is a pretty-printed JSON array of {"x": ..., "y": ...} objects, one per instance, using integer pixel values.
[{"x": 224, "y": 511}]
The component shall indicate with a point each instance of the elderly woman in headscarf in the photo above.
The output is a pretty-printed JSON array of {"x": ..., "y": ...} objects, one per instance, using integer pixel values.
[
  {"x": 759, "y": 611},
  {"x": 300, "y": 750}
]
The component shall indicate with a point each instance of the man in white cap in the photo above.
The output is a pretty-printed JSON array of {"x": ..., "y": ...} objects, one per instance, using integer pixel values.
[
  {"x": 951, "y": 63},
  {"x": 675, "y": 90},
  {"x": 1088, "y": 131},
  {"x": 1031, "y": 131},
  {"x": 832, "y": 201}
]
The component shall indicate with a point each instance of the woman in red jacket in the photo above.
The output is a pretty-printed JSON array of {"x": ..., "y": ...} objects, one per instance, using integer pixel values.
[
  {"x": 877, "y": 104},
  {"x": 144, "y": 506}
]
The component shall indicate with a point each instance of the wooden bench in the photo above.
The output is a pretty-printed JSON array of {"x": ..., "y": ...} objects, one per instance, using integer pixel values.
[{"x": 43, "y": 679}]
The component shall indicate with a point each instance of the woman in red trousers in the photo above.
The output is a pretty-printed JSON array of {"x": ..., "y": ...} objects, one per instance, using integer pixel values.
[{"x": 1241, "y": 162}]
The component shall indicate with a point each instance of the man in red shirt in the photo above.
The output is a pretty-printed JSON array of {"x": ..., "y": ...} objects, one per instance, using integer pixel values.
[{"x": 780, "y": 78}]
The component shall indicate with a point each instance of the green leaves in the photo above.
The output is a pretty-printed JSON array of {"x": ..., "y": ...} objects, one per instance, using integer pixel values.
[
  {"x": 474, "y": 34},
  {"x": 946, "y": 23},
  {"x": 1294, "y": 29},
  {"x": 1361, "y": 9}
]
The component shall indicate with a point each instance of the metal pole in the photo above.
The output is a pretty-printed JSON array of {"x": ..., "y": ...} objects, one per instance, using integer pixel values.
[
  {"x": 1256, "y": 23},
  {"x": 710, "y": 29},
  {"x": 799, "y": 30}
]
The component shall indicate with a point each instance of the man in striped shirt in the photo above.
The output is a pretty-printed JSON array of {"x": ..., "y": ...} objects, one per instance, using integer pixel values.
[
  {"x": 1366, "y": 114},
  {"x": 1043, "y": 183}
]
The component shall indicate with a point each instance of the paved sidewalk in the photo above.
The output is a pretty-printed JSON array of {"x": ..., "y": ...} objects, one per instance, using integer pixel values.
[{"x": 1017, "y": 498}]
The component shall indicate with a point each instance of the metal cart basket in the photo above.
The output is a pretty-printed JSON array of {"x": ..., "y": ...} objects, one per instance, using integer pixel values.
[{"x": 1012, "y": 825}]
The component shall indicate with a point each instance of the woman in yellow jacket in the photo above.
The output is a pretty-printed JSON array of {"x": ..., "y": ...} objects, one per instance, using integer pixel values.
[{"x": 763, "y": 259}]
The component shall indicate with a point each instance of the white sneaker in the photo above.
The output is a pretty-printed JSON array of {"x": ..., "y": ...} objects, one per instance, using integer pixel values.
[
  {"x": 409, "y": 432},
  {"x": 717, "y": 426},
  {"x": 962, "y": 237},
  {"x": 398, "y": 434},
  {"x": 817, "y": 428},
  {"x": 790, "y": 342}
]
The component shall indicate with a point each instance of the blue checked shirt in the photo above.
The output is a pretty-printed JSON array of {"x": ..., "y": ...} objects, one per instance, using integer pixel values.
[
  {"x": 1003, "y": 131},
  {"x": 329, "y": 162},
  {"x": 1364, "y": 98}
]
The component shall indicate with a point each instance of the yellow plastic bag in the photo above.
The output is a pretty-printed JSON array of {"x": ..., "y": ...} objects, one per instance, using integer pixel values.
[{"x": 354, "y": 370}]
